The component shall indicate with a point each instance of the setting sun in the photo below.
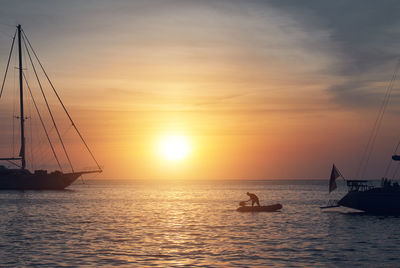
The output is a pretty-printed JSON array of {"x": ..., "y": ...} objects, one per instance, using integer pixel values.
[{"x": 174, "y": 147}]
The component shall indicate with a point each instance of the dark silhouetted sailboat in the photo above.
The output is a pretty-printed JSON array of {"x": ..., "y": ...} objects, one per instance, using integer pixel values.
[
  {"x": 361, "y": 195},
  {"x": 22, "y": 178}
]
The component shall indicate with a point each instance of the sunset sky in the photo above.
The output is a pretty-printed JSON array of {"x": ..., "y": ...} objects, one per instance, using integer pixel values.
[{"x": 259, "y": 89}]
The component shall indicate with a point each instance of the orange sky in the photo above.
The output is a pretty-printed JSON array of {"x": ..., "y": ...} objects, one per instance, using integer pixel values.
[{"x": 256, "y": 88}]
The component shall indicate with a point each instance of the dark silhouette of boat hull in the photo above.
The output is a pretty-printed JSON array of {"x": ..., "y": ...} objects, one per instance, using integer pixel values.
[
  {"x": 17, "y": 179},
  {"x": 381, "y": 200},
  {"x": 270, "y": 208}
]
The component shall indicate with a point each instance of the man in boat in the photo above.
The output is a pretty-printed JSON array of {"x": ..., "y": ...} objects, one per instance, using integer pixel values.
[{"x": 253, "y": 198}]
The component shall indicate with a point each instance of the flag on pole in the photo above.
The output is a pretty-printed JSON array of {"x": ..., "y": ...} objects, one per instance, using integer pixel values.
[{"x": 334, "y": 175}]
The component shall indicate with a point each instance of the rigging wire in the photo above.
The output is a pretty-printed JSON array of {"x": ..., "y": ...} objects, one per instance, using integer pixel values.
[
  {"x": 30, "y": 144},
  {"x": 59, "y": 99},
  {"x": 11, "y": 162},
  {"x": 42, "y": 153},
  {"x": 395, "y": 172},
  {"x": 391, "y": 161},
  {"x": 8, "y": 63},
  {"x": 363, "y": 164},
  {"x": 42, "y": 122},
  {"x": 48, "y": 107}
]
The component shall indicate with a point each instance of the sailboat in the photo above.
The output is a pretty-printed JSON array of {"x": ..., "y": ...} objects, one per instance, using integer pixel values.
[
  {"x": 362, "y": 195},
  {"x": 21, "y": 178}
]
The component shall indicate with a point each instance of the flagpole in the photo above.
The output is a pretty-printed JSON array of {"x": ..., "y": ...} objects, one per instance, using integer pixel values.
[{"x": 341, "y": 175}]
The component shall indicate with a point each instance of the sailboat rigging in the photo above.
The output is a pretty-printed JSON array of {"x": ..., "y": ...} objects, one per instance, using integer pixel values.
[
  {"x": 361, "y": 195},
  {"x": 22, "y": 178}
]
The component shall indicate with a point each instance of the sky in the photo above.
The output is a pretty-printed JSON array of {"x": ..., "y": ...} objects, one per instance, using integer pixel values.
[{"x": 261, "y": 89}]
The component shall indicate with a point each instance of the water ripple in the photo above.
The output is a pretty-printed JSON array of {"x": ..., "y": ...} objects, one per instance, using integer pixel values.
[{"x": 126, "y": 224}]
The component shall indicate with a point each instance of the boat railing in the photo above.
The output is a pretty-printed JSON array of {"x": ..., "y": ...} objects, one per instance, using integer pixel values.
[
  {"x": 332, "y": 203},
  {"x": 358, "y": 185}
]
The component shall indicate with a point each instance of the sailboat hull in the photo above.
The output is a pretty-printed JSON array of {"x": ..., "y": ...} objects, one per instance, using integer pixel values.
[
  {"x": 377, "y": 200},
  {"x": 17, "y": 180}
]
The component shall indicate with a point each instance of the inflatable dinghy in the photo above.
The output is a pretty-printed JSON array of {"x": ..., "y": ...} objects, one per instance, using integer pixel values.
[{"x": 270, "y": 208}]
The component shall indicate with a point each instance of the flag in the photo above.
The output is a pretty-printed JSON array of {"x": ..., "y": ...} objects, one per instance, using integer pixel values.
[{"x": 334, "y": 175}]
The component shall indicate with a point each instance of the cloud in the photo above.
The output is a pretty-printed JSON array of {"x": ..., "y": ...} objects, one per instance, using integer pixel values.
[
  {"x": 366, "y": 36},
  {"x": 350, "y": 44}
]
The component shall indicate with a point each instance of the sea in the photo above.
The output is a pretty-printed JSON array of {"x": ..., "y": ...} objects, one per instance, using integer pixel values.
[{"x": 131, "y": 223}]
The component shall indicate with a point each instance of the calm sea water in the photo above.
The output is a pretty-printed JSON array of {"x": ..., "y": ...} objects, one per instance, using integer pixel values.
[{"x": 175, "y": 224}]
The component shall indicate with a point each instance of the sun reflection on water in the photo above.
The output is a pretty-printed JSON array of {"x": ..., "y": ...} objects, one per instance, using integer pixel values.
[{"x": 187, "y": 224}]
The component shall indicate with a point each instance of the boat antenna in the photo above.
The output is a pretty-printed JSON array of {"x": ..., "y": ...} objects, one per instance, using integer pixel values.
[{"x": 21, "y": 99}]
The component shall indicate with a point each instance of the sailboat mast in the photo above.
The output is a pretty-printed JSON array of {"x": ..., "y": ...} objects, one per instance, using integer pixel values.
[{"x": 21, "y": 98}]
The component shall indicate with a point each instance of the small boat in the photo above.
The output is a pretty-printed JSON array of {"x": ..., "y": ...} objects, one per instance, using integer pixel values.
[
  {"x": 21, "y": 178},
  {"x": 270, "y": 208}
]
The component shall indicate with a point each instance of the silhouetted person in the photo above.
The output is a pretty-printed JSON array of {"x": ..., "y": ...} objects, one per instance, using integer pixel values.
[{"x": 253, "y": 198}]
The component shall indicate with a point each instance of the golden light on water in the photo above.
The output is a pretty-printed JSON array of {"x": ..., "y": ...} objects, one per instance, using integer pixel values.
[{"x": 174, "y": 147}]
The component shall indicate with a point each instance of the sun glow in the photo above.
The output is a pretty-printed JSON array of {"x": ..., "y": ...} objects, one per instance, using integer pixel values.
[{"x": 174, "y": 147}]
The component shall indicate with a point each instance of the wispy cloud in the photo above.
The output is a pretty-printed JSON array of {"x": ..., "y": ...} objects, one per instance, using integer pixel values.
[{"x": 365, "y": 35}]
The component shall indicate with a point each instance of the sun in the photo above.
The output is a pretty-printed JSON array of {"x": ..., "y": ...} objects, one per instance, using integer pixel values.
[{"x": 174, "y": 147}]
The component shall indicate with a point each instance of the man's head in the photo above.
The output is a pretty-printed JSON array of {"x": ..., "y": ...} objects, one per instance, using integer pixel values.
[{"x": 248, "y": 193}]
